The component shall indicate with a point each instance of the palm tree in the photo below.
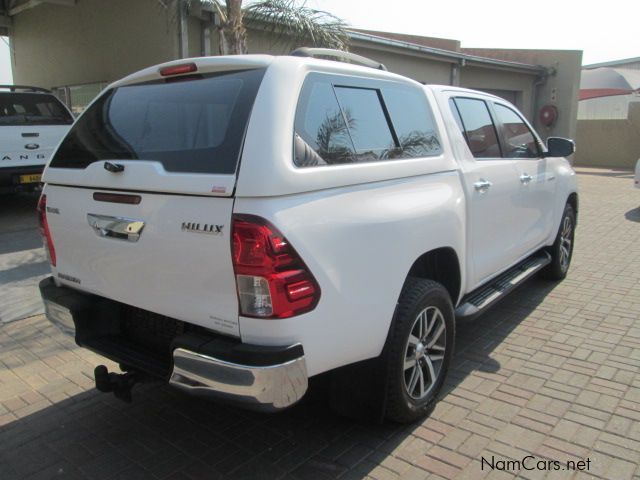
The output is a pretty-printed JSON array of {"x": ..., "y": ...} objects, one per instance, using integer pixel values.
[{"x": 288, "y": 19}]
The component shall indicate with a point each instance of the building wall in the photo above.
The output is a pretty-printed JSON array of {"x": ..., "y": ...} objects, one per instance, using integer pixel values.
[
  {"x": 194, "y": 35},
  {"x": 97, "y": 41},
  {"x": 442, "y": 43},
  {"x": 560, "y": 88},
  {"x": 93, "y": 41},
  {"x": 521, "y": 85},
  {"x": 604, "y": 108},
  {"x": 609, "y": 143},
  {"x": 417, "y": 67},
  {"x": 630, "y": 66},
  {"x": 396, "y": 60}
]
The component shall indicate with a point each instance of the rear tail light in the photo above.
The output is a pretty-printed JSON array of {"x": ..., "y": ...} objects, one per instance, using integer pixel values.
[
  {"x": 45, "y": 231},
  {"x": 271, "y": 278}
]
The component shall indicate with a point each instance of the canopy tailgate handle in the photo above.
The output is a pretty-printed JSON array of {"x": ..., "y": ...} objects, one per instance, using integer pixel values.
[{"x": 116, "y": 227}]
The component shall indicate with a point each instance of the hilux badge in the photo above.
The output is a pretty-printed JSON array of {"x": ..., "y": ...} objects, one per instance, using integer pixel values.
[{"x": 202, "y": 228}]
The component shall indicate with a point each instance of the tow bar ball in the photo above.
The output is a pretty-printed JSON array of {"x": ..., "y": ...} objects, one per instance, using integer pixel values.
[{"x": 120, "y": 384}]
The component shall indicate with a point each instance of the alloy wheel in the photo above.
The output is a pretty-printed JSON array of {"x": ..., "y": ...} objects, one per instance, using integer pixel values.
[
  {"x": 566, "y": 240},
  {"x": 424, "y": 352}
]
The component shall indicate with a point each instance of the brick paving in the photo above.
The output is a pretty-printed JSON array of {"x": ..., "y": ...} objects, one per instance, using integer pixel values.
[
  {"x": 22, "y": 259},
  {"x": 552, "y": 373}
]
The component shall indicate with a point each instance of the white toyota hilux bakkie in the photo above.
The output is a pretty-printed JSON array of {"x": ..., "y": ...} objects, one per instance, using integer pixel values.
[
  {"x": 32, "y": 123},
  {"x": 237, "y": 225}
]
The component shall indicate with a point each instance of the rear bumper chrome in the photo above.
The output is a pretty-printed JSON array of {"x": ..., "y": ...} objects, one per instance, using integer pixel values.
[
  {"x": 266, "y": 378},
  {"x": 266, "y": 388}
]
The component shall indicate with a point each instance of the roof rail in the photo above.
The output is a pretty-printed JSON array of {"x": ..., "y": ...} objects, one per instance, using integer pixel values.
[
  {"x": 25, "y": 88},
  {"x": 337, "y": 55}
]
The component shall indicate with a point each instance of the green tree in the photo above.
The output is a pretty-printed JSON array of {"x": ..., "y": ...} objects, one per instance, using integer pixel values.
[{"x": 288, "y": 19}]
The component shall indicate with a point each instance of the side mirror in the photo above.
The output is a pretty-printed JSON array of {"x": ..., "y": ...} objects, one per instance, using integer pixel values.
[{"x": 560, "y": 147}]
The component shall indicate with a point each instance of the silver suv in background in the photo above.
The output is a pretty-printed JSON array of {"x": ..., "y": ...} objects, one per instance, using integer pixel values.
[{"x": 32, "y": 123}]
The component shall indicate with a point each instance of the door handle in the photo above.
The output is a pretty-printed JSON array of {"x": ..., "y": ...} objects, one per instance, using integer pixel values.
[
  {"x": 482, "y": 185},
  {"x": 525, "y": 178}
]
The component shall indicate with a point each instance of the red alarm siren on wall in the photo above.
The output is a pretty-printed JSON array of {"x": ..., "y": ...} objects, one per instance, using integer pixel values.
[{"x": 548, "y": 115}]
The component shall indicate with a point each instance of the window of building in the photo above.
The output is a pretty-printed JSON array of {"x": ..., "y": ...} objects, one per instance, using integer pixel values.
[{"x": 78, "y": 97}]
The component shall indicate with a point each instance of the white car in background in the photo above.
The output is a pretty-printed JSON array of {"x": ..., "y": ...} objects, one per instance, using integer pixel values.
[{"x": 32, "y": 123}]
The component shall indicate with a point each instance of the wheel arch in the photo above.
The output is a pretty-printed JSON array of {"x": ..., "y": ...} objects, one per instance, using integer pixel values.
[
  {"x": 573, "y": 201},
  {"x": 441, "y": 265}
]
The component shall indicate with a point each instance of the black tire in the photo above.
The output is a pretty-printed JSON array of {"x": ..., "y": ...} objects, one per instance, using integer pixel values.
[
  {"x": 562, "y": 249},
  {"x": 418, "y": 296}
]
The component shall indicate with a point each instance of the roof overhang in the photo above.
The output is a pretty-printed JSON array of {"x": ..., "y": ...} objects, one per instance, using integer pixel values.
[
  {"x": 462, "y": 59},
  {"x": 5, "y": 25},
  {"x": 9, "y": 8},
  {"x": 588, "y": 93},
  {"x": 613, "y": 63}
]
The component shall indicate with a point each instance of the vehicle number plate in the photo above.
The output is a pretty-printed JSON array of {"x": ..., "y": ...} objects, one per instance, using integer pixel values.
[{"x": 34, "y": 178}]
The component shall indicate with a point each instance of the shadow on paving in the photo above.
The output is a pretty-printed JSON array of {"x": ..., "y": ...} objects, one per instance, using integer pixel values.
[
  {"x": 22, "y": 259},
  {"x": 18, "y": 212},
  {"x": 633, "y": 215},
  {"x": 612, "y": 173},
  {"x": 20, "y": 241},
  {"x": 164, "y": 432},
  {"x": 25, "y": 271}
]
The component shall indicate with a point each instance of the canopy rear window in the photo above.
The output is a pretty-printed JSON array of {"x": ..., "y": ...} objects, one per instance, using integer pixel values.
[
  {"x": 17, "y": 109},
  {"x": 192, "y": 124}
]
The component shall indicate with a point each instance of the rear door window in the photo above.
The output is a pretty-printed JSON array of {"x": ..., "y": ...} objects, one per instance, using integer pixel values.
[
  {"x": 194, "y": 124},
  {"x": 477, "y": 127},
  {"x": 26, "y": 109},
  {"x": 362, "y": 121}
]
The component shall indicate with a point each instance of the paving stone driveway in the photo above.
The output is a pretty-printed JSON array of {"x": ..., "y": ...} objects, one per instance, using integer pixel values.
[
  {"x": 551, "y": 374},
  {"x": 22, "y": 259}
]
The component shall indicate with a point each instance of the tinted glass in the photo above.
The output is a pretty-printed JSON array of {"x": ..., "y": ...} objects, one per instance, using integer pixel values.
[
  {"x": 355, "y": 123},
  {"x": 32, "y": 109},
  {"x": 320, "y": 124},
  {"x": 366, "y": 121},
  {"x": 412, "y": 121},
  {"x": 519, "y": 141},
  {"x": 456, "y": 116},
  {"x": 194, "y": 124},
  {"x": 479, "y": 130}
]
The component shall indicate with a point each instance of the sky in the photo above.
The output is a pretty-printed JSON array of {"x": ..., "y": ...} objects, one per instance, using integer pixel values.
[{"x": 604, "y": 31}]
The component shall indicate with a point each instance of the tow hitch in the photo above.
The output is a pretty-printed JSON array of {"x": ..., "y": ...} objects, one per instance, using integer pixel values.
[{"x": 120, "y": 384}]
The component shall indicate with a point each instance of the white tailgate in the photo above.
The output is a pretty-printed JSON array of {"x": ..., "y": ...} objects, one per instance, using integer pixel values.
[
  {"x": 29, "y": 145},
  {"x": 180, "y": 273}
]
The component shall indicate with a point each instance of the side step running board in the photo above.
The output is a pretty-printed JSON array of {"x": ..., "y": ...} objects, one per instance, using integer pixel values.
[{"x": 484, "y": 297}]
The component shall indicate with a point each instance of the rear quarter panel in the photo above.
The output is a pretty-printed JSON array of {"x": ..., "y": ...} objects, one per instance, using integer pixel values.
[{"x": 359, "y": 242}]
